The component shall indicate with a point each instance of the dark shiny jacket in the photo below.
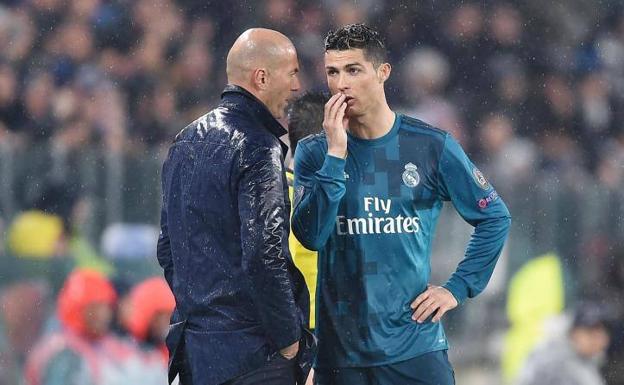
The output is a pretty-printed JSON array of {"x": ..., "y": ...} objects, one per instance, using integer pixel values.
[{"x": 224, "y": 244}]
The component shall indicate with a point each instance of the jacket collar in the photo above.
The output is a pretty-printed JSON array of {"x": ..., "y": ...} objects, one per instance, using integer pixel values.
[{"x": 242, "y": 97}]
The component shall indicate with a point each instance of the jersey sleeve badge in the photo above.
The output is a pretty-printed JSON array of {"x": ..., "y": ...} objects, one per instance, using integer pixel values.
[{"x": 480, "y": 179}]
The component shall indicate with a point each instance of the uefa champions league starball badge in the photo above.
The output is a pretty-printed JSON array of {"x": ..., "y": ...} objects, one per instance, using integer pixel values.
[
  {"x": 411, "y": 178},
  {"x": 480, "y": 179}
]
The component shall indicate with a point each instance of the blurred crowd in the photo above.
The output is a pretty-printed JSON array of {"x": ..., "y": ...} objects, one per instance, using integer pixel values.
[
  {"x": 125, "y": 75},
  {"x": 98, "y": 334},
  {"x": 92, "y": 92}
]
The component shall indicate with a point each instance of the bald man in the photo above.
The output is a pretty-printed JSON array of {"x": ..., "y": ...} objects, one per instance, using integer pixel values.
[{"x": 241, "y": 304}]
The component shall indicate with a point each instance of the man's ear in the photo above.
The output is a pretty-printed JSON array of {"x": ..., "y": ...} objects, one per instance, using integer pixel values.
[
  {"x": 260, "y": 78},
  {"x": 383, "y": 72}
]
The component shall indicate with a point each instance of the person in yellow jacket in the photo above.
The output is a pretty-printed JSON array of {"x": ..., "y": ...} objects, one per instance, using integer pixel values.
[
  {"x": 305, "y": 117},
  {"x": 536, "y": 293}
]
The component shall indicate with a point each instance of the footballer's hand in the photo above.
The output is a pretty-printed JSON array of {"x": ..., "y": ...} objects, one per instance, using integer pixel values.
[
  {"x": 435, "y": 299},
  {"x": 335, "y": 125},
  {"x": 291, "y": 351}
]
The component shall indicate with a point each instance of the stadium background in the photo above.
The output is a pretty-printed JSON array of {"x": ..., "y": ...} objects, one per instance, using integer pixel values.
[{"x": 92, "y": 92}]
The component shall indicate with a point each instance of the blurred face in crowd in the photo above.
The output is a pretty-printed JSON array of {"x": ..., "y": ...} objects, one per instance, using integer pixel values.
[
  {"x": 512, "y": 88},
  {"x": 196, "y": 63},
  {"x": 466, "y": 22},
  {"x": 83, "y": 9},
  {"x": 23, "y": 312},
  {"x": 590, "y": 342},
  {"x": 38, "y": 95},
  {"x": 559, "y": 95},
  {"x": 97, "y": 318},
  {"x": 282, "y": 82},
  {"x": 353, "y": 74},
  {"x": 279, "y": 10},
  {"x": 77, "y": 41},
  {"x": 506, "y": 24},
  {"x": 495, "y": 133},
  {"x": 8, "y": 84}
]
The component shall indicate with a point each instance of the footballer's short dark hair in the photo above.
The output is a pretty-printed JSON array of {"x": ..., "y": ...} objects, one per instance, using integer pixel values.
[
  {"x": 305, "y": 117},
  {"x": 361, "y": 36}
]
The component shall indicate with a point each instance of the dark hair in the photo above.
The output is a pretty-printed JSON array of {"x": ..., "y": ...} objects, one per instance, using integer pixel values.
[
  {"x": 361, "y": 36},
  {"x": 305, "y": 117},
  {"x": 590, "y": 315}
]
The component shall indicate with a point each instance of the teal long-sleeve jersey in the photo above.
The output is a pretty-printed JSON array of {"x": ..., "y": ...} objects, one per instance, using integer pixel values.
[{"x": 372, "y": 217}]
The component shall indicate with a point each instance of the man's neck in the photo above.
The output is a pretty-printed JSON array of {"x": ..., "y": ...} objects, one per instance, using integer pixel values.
[{"x": 374, "y": 124}]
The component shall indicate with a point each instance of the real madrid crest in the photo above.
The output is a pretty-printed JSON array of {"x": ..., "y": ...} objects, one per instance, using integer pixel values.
[{"x": 411, "y": 178}]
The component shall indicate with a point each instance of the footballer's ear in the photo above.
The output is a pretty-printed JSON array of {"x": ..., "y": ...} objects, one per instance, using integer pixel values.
[
  {"x": 383, "y": 72},
  {"x": 259, "y": 78}
]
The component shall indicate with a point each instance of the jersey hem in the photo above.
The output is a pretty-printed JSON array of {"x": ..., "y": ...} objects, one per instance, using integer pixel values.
[{"x": 387, "y": 362}]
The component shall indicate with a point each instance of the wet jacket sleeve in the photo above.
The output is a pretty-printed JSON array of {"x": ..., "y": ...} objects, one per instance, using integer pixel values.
[
  {"x": 262, "y": 216},
  {"x": 163, "y": 249},
  {"x": 479, "y": 204},
  {"x": 317, "y": 197}
]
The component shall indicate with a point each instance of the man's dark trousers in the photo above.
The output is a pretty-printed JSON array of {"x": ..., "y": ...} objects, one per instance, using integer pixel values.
[{"x": 277, "y": 371}]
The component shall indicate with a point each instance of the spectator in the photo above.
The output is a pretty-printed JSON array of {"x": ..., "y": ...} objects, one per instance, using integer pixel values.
[
  {"x": 17, "y": 34},
  {"x": 596, "y": 113},
  {"x": 510, "y": 94},
  {"x": 150, "y": 306},
  {"x": 84, "y": 351},
  {"x": 39, "y": 124},
  {"x": 464, "y": 42},
  {"x": 508, "y": 160},
  {"x": 575, "y": 358},
  {"x": 426, "y": 71},
  {"x": 10, "y": 108},
  {"x": 610, "y": 172},
  {"x": 24, "y": 309},
  {"x": 557, "y": 105},
  {"x": 156, "y": 117}
]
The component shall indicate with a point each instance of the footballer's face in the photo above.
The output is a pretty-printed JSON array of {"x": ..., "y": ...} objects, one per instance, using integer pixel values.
[
  {"x": 284, "y": 82},
  {"x": 353, "y": 74}
]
